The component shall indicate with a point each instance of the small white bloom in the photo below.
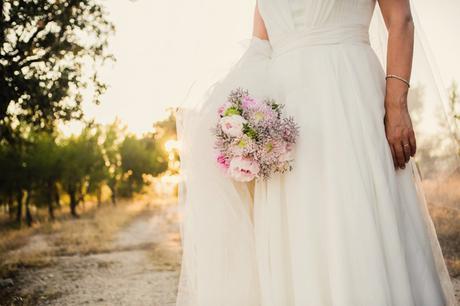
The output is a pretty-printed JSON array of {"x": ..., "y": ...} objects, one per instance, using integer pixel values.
[{"x": 232, "y": 125}]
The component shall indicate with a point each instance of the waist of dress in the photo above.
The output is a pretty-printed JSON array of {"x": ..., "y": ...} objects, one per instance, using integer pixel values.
[{"x": 317, "y": 36}]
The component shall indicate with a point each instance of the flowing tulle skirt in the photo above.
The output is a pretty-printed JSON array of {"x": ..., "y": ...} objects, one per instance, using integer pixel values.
[{"x": 344, "y": 228}]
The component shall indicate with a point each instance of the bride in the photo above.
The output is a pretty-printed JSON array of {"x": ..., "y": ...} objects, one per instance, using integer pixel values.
[{"x": 348, "y": 226}]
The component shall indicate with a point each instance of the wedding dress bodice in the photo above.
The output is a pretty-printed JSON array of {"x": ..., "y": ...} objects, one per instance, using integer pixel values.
[{"x": 296, "y": 23}]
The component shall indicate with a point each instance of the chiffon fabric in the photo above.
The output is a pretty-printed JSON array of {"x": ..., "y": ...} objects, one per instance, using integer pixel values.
[{"x": 344, "y": 228}]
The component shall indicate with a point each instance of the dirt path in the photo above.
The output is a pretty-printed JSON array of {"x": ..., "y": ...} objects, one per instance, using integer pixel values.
[{"x": 142, "y": 268}]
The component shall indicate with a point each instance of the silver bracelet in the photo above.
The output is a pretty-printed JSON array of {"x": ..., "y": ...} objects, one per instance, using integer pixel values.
[{"x": 392, "y": 76}]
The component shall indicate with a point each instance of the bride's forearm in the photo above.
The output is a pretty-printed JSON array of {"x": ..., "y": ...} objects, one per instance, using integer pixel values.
[
  {"x": 398, "y": 125},
  {"x": 399, "y": 60}
]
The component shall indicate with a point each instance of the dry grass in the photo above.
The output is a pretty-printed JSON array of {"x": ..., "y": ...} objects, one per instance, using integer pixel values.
[
  {"x": 444, "y": 192},
  {"x": 444, "y": 205},
  {"x": 13, "y": 239},
  {"x": 91, "y": 233}
]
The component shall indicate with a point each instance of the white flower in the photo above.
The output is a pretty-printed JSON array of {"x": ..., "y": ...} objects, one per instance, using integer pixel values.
[
  {"x": 243, "y": 169},
  {"x": 232, "y": 125}
]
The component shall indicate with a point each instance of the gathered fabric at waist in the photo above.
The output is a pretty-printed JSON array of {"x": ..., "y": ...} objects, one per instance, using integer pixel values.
[{"x": 317, "y": 36}]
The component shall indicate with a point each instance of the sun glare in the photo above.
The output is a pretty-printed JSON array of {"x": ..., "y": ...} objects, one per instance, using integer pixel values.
[{"x": 171, "y": 145}]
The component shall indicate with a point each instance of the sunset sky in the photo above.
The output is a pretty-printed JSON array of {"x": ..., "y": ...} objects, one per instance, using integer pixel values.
[{"x": 163, "y": 47}]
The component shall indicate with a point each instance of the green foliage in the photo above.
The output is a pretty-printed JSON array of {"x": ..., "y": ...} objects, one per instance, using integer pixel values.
[
  {"x": 248, "y": 131},
  {"x": 12, "y": 168},
  {"x": 232, "y": 111},
  {"x": 113, "y": 134},
  {"x": 140, "y": 157},
  {"x": 45, "y": 46},
  {"x": 42, "y": 164},
  {"x": 84, "y": 165}
]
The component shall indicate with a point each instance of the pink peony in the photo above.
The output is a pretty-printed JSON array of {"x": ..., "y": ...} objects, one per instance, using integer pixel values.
[
  {"x": 243, "y": 169},
  {"x": 223, "y": 162}
]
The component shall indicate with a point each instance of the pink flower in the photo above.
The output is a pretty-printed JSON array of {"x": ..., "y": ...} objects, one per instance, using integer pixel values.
[
  {"x": 249, "y": 102},
  {"x": 223, "y": 162},
  {"x": 262, "y": 113},
  {"x": 221, "y": 110},
  {"x": 243, "y": 169}
]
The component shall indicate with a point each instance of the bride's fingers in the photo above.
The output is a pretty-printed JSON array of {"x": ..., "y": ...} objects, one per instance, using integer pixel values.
[
  {"x": 413, "y": 143},
  {"x": 407, "y": 151},
  {"x": 400, "y": 156},
  {"x": 393, "y": 154}
]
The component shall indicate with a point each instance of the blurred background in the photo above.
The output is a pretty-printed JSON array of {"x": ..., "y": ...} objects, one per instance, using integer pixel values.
[{"x": 89, "y": 161}]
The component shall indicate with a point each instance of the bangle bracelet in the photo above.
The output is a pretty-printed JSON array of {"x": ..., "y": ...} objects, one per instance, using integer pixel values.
[{"x": 392, "y": 76}]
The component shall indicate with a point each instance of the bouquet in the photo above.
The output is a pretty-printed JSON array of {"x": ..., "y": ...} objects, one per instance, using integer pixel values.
[{"x": 253, "y": 137}]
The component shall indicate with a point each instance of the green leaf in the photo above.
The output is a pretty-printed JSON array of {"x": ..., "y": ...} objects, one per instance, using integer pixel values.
[
  {"x": 232, "y": 111},
  {"x": 249, "y": 131}
]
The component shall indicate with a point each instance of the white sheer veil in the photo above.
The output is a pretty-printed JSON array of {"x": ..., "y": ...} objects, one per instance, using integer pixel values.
[{"x": 218, "y": 263}]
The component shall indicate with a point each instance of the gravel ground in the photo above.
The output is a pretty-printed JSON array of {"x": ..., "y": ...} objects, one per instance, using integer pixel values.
[{"x": 142, "y": 269}]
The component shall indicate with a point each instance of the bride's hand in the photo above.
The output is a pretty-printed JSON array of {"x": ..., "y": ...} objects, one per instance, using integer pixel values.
[{"x": 398, "y": 127}]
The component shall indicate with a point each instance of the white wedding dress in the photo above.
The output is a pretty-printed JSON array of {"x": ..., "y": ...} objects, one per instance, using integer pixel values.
[{"x": 344, "y": 228}]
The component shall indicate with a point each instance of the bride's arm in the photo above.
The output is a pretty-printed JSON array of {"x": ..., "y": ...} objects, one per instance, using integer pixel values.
[
  {"x": 259, "y": 30},
  {"x": 398, "y": 125}
]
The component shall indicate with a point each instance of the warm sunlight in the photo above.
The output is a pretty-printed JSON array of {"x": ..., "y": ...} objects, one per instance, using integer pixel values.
[
  {"x": 208, "y": 152},
  {"x": 171, "y": 145}
]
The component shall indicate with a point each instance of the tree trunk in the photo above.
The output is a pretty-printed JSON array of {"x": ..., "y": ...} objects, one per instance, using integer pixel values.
[
  {"x": 49, "y": 195},
  {"x": 99, "y": 196},
  {"x": 81, "y": 198},
  {"x": 113, "y": 196},
  {"x": 10, "y": 206},
  {"x": 29, "y": 219},
  {"x": 130, "y": 187},
  {"x": 57, "y": 197},
  {"x": 73, "y": 202},
  {"x": 19, "y": 197},
  {"x": 51, "y": 210}
]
